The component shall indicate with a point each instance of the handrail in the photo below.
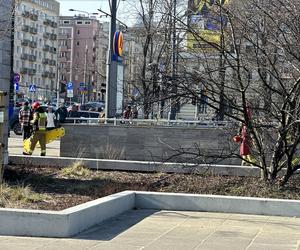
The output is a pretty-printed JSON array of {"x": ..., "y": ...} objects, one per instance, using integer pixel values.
[{"x": 166, "y": 122}]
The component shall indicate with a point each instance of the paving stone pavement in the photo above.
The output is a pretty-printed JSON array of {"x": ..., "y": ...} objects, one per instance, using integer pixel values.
[
  {"x": 15, "y": 146},
  {"x": 172, "y": 230}
]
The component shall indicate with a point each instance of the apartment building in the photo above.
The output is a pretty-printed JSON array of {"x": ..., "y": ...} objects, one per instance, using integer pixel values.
[
  {"x": 82, "y": 52},
  {"x": 35, "y": 47}
]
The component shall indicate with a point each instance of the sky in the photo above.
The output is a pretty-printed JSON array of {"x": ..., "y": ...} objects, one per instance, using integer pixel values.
[{"x": 91, "y": 6}]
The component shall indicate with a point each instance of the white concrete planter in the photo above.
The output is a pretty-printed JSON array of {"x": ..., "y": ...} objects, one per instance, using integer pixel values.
[{"x": 74, "y": 220}]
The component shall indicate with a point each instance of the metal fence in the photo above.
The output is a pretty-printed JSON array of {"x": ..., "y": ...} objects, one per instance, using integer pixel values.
[{"x": 147, "y": 122}]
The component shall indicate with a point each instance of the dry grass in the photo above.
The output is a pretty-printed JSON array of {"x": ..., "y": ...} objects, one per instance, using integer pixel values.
[
  {"x": 77, "y": 170},
  {"x": 19, "y": 196}
]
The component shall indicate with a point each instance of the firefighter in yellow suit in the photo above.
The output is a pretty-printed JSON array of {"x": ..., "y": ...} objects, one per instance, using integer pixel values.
[{"x": 39, "y": 125}]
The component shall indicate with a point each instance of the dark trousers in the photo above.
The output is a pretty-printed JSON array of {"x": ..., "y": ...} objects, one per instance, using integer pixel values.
[{"x": 26, "y": 132}]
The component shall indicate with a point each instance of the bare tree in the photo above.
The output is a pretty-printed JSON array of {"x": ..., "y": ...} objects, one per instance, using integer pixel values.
[
  {"x": 255, "y": 68},
  {"x": 153, "y": 34}
]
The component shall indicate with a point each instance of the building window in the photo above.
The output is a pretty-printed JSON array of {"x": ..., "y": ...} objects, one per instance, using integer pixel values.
[
  {"x": 77, "y": 43},
  {"x": 78, "y": 32},
  {"x": 66, "y": 22},
  {"x": 79, "y": 22},
  {"x": 87, "y": 22}
]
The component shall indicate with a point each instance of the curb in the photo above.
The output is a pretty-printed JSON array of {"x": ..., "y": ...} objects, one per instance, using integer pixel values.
[
  {"x": 139, "y": 166},
  {"x": 71, "y": 221}
]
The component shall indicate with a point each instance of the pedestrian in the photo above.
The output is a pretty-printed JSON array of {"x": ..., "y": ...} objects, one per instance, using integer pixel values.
[
  {"x": 245, "y": 146},
  {"x": 51, "y": 118},
  {"x": 25, "y": 115},
  {"x": 127, "y": 113},
  {"x": 61, "y": 113},
  {"x": 39, "y": 129}
]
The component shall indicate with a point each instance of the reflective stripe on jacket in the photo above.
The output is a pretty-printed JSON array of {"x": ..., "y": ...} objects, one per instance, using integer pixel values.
[{"x": 40, "y": 120}]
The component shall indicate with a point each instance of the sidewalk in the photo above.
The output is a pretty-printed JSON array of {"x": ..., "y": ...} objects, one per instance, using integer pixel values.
[
  {"x": 171, "y": 230},
  {"x": 15, "y": 146}
]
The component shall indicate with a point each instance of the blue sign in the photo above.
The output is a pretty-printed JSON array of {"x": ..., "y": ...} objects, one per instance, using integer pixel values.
[
  {"x": 81, "y": 84},
  {"x": 32, "y": 88},
  {"x": 16, "y": 85},
  {"x": 69, "y": 85}
]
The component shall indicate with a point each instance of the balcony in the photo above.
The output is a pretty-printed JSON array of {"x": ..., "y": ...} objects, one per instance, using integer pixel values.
[
  {"x": 45, "y": 74},
  {"x": 45, "y": 61},
  {"x": 46, "y": 35},
  {"x": 25, "y": 13},
  {"x": 33, "y": 30},
  {"x": 53, "y": 50},
  {"x": 63, "y": 48},
  {"x": 52, "y": 62},
  {"x": 33, "y": 17},
  {"x": 46, "y": 48},
  {"x": 32, "y": 58},
  {"x": 24, "y": 70},
  {"x": 25, "y": 42},
  {"x": 31, "y": 71},
  {"x": 53, "y": 24},
  {"x": 51, "y": 75},
  {"x": 62, "y": 59},
  {"x": 63, "y": 36},
  {"x": 33, "y": 44},
  {"x": 25, "y": 28},
  {"x": 53, "y": 37},
  {"x": 24, "y": 56},
  {"x": 47, "y": 22}
]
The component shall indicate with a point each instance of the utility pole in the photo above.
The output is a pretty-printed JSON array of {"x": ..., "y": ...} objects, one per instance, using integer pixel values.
[
  {"x": 85, "y": 73},
  {"x": 110, "y": 97},
  {"x": 57, "y": 85},
  {"x": 174, "y": 62},
  {"x": 6, "y": 86}
]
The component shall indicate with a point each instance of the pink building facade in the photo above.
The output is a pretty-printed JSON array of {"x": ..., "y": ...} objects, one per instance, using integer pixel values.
[{"x": 78, "y": 57}]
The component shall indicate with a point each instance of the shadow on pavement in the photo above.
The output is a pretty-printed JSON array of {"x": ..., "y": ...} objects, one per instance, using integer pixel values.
[{"x": 112, "y": 228}]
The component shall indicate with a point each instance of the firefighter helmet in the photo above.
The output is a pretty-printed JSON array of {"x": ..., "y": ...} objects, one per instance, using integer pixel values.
[{"x": 35, "y": 105}]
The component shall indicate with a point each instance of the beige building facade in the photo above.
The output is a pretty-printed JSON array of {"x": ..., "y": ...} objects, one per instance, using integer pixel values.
[{"x": 35, "y": 47}]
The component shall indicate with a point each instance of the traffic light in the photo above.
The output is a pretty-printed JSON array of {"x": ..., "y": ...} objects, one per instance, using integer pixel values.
[
  {"x": 103, "y": 87},
  {"x": 62, "y": 87}
]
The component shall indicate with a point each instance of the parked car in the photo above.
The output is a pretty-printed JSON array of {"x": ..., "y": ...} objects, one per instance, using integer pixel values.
[
  {"x": 92, "y": 106},
  {"x": 82, "y": 114},
  {"x": 14, "y": 120}
]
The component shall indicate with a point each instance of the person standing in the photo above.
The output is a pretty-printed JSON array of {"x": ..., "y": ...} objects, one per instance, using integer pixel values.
[
  {"x": 61, "y": 113},
  {"x": 39, "y": 127},
  {"x": 24, "y": 119},
  {"x": 50, "y": 119}
]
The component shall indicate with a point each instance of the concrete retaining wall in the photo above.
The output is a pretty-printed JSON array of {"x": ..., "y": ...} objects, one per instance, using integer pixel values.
[
  {"x": 72, "y": 221},
  {"x": 146, "y": 143},
  {"x": 140, "y": 166},
  {"x": 217, "y": 203},
  {"x": 67, "y": 222}
]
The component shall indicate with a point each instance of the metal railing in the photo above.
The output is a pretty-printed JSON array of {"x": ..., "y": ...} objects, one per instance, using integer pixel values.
[{"x": 147, "y": 122}]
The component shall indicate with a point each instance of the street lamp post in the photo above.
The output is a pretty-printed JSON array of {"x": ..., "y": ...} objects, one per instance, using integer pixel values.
[
  {"x": 111, "y": 65},
  {"x": 85, "y": 12}
]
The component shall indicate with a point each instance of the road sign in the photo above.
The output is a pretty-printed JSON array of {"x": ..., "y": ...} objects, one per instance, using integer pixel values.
[
  {"x": 32, "y": 88},
  {"x": 69, "y": 85},
  {"x": 81, "y": 84},
  {"x": 16, "y": 85},
  {"x": 70, "y": 93},
  {"x": 16, "y": 78}
]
